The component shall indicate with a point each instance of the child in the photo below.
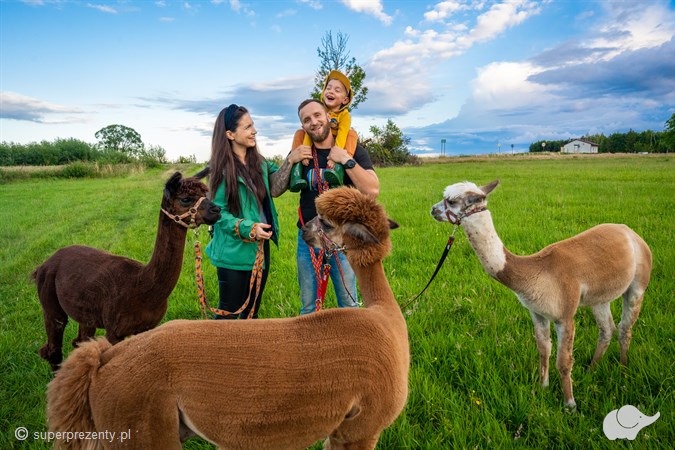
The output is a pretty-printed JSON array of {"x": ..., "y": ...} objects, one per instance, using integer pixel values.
[{"x": 336, "y": 96}]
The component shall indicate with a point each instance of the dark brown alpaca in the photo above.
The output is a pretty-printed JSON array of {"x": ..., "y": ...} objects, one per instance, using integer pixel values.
[{"x": 101, "y": 290}]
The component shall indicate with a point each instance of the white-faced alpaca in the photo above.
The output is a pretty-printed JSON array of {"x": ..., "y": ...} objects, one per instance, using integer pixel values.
[
  {"x": 101, "y": 290},
  {"x": 255, "y": 384},
  {"x": 590, "y": 269}
]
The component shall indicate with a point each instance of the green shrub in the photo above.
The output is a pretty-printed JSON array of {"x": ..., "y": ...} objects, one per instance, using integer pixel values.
[{"x": 78, "y": 170}]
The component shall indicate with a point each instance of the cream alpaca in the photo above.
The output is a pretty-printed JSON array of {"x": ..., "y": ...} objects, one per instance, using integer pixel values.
[
  {"x": 255, "y": 384},
  {"x": 590, "y": 269}
]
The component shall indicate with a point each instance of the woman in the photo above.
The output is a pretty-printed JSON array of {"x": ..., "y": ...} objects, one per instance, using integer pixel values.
[{"x": 239, "y": 182}]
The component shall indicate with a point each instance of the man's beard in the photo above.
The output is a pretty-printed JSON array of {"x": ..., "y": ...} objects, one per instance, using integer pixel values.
[{"x": 320, "y": 135}]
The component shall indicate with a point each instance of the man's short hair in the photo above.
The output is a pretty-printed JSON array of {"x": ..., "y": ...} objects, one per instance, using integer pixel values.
[{"x": 307, "y": 102}]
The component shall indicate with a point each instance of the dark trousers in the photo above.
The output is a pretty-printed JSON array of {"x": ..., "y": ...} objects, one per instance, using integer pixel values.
[{"x": 234, "y": 287}]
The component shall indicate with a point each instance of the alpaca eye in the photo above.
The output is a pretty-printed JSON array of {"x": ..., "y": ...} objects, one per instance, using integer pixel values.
[
  {"x": 325, "y": 225},
  {"x": 185, "y": 201}
]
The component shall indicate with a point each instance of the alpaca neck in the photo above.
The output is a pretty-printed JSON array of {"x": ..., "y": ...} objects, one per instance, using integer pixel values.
[
  {"x": 511, "y": 270},
  {"x": 374, "y": 287},
  {"x": 160, "y": 275},
  {"x": 483, "y": 237}
]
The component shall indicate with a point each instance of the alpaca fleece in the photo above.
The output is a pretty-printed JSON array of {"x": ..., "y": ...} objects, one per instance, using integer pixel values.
[
  {"x": 590, "y": 269},
  {"x": 100, "y": 290},
  {"x": 263, "y": 384}
]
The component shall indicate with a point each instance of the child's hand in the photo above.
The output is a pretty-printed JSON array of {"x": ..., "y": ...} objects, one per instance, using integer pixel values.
[{"x": 337, "y": 154}]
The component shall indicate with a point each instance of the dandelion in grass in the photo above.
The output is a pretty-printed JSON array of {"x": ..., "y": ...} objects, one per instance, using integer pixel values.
[{"x": 475, "y": 399}]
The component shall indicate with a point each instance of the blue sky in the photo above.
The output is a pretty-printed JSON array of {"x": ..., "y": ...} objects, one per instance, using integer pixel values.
[{"x": 484, "y": 75}]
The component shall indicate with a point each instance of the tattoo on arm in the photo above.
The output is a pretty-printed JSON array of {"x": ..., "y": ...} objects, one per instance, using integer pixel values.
[{"x": 279, "y": 179}]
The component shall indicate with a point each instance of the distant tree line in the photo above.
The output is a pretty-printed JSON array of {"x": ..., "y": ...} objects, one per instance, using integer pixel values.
[
  {"x": 631, "y": 142},
  {"x": 388, "y": 146},
  {"x": 117, "y": 145}
]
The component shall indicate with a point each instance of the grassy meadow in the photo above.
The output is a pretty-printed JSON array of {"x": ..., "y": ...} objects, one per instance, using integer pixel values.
[{"x": 474, "y": 363}]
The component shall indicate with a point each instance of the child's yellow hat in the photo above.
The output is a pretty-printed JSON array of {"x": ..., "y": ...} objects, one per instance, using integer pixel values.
[{"x": 342, "y": 78}]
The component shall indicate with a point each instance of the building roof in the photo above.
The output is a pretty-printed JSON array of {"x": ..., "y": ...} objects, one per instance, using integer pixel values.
[{"x": 584, "y": 140}]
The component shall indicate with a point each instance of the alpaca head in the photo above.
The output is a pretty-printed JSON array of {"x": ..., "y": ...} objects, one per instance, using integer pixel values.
[
  {"x": 352, "y": 220},
  {"x": 186, "y": 198},
  {"x": 461, "y": 200}
]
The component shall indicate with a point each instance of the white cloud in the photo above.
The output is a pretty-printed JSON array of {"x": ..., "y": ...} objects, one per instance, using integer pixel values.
[
  {"x": 287, "y": 13},
  {"x": 240, "y": 8},
  {"x": 443, "y": 10},
  {"x": 19, "y": 107},
  {"x": 634, "y": 28},
  {"x": 615, "y": 77},
  {"x": 314, "y": 4},
  {"x": 506, "y": 85},
  {"x": 500, "y": 17},
  {"x": 415, "y": 57},
  {"x": 372, "y": 7},
  {"x": 102, "y": 8}
]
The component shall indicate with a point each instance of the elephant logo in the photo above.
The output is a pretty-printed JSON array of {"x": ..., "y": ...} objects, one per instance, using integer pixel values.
[{"x": 626, "y": 422}]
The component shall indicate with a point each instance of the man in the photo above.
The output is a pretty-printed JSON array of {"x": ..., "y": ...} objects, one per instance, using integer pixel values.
[{"x": 315, "y": 121}]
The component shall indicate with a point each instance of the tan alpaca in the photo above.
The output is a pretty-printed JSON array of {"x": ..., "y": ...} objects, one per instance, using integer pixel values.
[
  {"x": 590, "y": 269},
  {"x": 255, "y": 384}
]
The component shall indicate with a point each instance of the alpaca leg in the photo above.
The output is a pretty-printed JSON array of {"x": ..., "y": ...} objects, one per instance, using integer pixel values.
[
  {"x": 84, "y": 334},
  {"x": 542, "y": 334},
  {"x": 334, "y": 443},
  {"x": 56, "y": 320},
  {"x": 55, "y": 324},
  {"x": 632, "y": 302},
  {"x": 565, "y": 360},
  {"x": 606, "y": 328}
]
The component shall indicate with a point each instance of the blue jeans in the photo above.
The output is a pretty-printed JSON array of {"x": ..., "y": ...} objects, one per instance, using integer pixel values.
[{"x": 307, "y": 279}]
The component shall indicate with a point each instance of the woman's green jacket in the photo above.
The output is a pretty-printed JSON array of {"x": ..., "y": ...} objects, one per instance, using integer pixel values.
[{"x": 227, "y": 249}]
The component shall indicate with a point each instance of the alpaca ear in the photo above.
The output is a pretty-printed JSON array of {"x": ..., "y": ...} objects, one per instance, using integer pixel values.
[
  {"x": 172, "y": 185},
  {"x": 489, "y": 187},
  {"x": 392, "y": 225},
  {"x": 360, "y": 232},
  {"x": 202, "y": 173}
]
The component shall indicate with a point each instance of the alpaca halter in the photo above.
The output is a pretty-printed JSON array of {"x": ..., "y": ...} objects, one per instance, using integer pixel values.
[
  {"x": 330, "y": 245},
  {"x": 192, "y": 213},
  {"x": 456, "y": 219}
]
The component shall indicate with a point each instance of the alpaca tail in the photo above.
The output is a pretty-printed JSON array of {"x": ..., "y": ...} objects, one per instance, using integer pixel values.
[{"x": 68, "y": 407}]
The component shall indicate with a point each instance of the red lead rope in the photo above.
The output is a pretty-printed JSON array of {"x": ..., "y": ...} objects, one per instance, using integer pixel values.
[
  {"x": 321, "y": 185},
  {"x": 256, "y": 278}
]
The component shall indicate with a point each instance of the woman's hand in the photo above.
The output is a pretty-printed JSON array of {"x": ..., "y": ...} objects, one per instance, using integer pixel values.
[{"x": 260, "y": 231}]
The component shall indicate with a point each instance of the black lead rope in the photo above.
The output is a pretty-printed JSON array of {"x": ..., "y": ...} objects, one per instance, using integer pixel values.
[{"x": 451, "y": 240}]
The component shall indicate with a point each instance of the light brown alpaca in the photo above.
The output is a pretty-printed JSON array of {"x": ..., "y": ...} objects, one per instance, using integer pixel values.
[
  {"x": 255, "y": 384},
  {"x": 101, "y": 290},
  {"x": 590, "y": 269}
]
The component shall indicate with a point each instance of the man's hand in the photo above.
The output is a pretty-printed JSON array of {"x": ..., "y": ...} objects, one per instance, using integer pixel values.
[{"x": 338, "y": 155}]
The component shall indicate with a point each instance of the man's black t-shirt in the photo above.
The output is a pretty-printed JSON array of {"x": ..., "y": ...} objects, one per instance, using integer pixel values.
[{"x": 307, "y": 196}]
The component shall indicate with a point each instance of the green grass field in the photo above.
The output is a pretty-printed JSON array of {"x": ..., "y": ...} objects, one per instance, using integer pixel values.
[{"x": 474, "y": 363}]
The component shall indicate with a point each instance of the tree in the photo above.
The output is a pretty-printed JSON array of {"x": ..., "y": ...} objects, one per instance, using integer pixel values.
[
  {"x": 118, "y": 138},
  {"x": 388, "y": 146},
  {"x": 668, "y": 137},
  {"x": 334, "y": 55}
]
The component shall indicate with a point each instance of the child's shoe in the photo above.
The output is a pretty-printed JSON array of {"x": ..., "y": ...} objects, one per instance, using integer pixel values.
[
  {"x": 297, "y": 183},
  {"x": 335, "y": 176}
]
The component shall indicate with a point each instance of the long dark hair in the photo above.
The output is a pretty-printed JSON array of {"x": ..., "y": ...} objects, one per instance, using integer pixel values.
[{"x": 225, "y": 166}]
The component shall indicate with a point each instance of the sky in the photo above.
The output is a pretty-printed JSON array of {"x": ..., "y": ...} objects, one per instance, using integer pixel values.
[{"x": 485, "y": 76}]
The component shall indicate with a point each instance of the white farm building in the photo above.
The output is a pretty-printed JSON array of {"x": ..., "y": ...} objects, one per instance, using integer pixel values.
[{"x": 579, "y": 146}]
